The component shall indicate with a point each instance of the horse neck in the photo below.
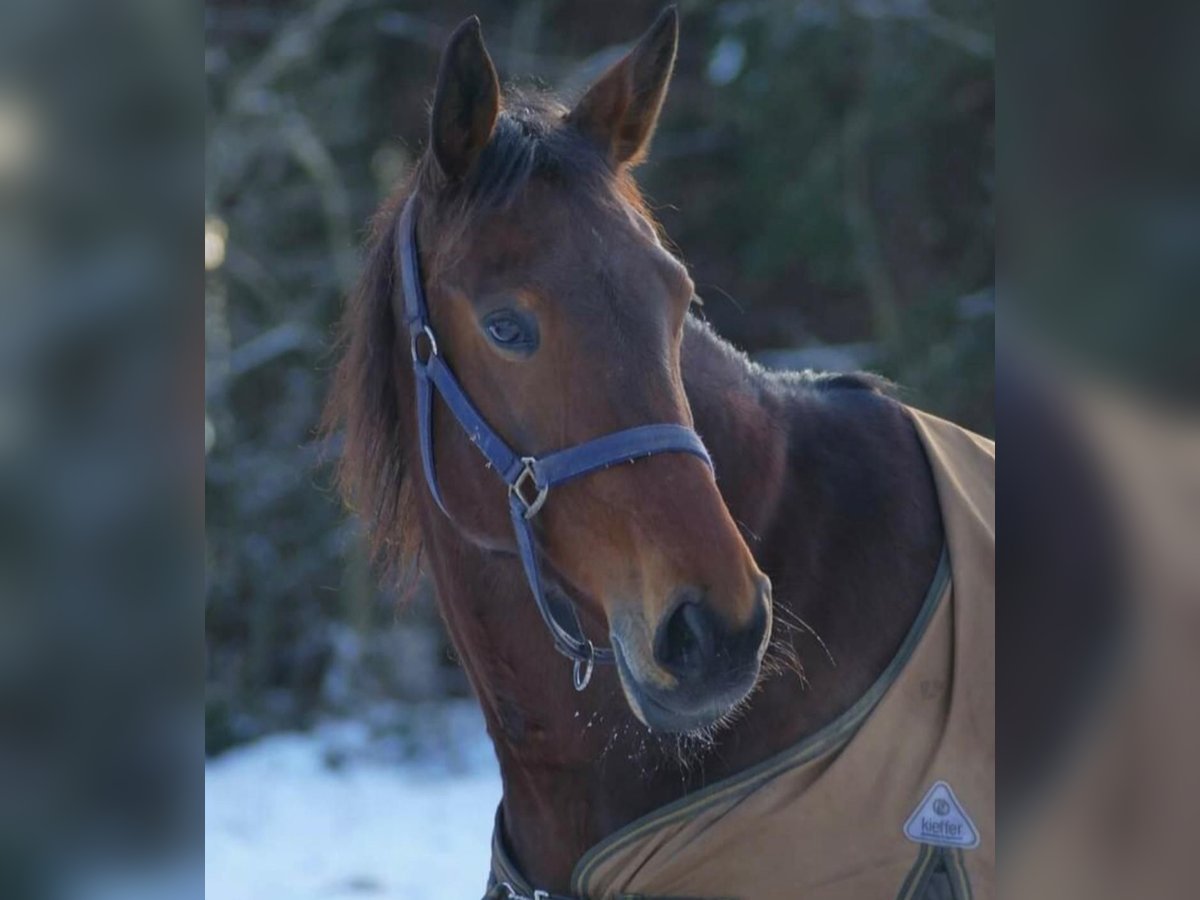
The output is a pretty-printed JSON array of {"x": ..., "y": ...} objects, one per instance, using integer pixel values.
[{"x": 577, "y": 766}]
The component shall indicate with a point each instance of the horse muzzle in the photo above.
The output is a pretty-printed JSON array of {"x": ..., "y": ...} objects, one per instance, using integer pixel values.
[{"x": 694, "y": 668}]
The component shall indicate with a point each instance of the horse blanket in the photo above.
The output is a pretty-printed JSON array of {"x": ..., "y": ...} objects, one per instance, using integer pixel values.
[{"x": 894, "y": 798}]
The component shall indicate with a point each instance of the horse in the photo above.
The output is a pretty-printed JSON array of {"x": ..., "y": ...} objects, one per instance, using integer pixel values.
[{"x": 756, "y": 572}]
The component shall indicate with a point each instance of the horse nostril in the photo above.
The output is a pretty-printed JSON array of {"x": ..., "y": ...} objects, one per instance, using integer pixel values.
[{"x": 686, "y": 641}]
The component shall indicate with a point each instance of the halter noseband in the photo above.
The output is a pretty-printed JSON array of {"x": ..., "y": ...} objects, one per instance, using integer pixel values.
[{"x": 529, "y": 478}]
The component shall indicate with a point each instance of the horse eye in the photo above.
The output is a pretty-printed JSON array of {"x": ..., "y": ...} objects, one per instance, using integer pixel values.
[
  {"x": 504, "y": 331},
  {"x": 511, "y": 331}
]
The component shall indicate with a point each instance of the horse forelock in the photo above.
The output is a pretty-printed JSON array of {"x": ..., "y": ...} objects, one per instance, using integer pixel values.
[{"x": 532, "y": 139}]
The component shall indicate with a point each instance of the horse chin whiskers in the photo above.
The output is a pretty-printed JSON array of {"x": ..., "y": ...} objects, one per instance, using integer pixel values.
[
  {"x": 783, "y": 658},
  {"x": 687, "y": 749}
]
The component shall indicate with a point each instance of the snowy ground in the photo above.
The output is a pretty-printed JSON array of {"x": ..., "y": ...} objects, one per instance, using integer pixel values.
[{"x": 355, "y": 810}]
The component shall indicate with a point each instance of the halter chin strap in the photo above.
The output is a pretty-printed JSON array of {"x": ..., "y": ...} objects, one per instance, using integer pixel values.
[{"x": 529, "y": 478}]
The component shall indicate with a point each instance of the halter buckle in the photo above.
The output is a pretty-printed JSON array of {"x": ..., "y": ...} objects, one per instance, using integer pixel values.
[
  {"x": 425, "y": 332},
  {"x": 527, "y": 482}
]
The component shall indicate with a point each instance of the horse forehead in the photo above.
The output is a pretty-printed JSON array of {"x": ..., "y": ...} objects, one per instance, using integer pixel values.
[
  {"x": 613, "y": 245},
  {"x": 570, "y": 257}
]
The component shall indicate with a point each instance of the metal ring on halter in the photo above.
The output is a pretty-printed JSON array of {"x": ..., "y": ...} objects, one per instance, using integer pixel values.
[
  {"x": 433, "y": 347},
  {"x": 581, "y": 680},
  {"x": 527, "y": 476},
  {"x": 511, "y": 893}
]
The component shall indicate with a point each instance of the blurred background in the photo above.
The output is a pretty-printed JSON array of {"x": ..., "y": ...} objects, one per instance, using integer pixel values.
[
  {"x": 101, "y": 503},
  {"x": 826, "y": 170}
]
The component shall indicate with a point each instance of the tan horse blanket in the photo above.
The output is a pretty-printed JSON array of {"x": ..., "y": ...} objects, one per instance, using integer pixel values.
[{"x": 895, "y": 798}]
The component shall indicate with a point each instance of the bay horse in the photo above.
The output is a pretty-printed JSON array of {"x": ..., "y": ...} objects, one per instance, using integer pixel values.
[{"x": 752, "y": 591}]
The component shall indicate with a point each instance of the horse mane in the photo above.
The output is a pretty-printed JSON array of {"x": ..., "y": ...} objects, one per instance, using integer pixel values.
[{"x": 366, "y": 404}]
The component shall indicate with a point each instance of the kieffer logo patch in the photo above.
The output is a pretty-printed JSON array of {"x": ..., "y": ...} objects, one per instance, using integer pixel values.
[{"x": 940, "y": 819}]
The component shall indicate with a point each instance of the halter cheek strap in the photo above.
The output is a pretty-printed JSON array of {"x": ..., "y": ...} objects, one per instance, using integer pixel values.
[{"x": 529, "y": 478}]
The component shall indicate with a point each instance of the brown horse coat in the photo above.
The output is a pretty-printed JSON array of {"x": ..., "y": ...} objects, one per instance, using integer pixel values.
[{"x": 830, "y": 818}]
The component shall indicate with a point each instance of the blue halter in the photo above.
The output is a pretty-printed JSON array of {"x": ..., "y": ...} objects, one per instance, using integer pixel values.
[{"x": 529, "y": 478}]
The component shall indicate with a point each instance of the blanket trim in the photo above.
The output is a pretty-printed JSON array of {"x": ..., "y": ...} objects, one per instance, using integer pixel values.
[{"x": 929, "y": 858}]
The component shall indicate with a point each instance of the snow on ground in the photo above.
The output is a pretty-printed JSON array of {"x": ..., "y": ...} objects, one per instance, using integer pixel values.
[{"x": 341, "y": 812}]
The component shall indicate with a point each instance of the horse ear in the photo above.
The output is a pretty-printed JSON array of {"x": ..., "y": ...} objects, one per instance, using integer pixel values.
[
  {"x": 466, "y": 102},
  {"x": 620, "y": 110}
]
